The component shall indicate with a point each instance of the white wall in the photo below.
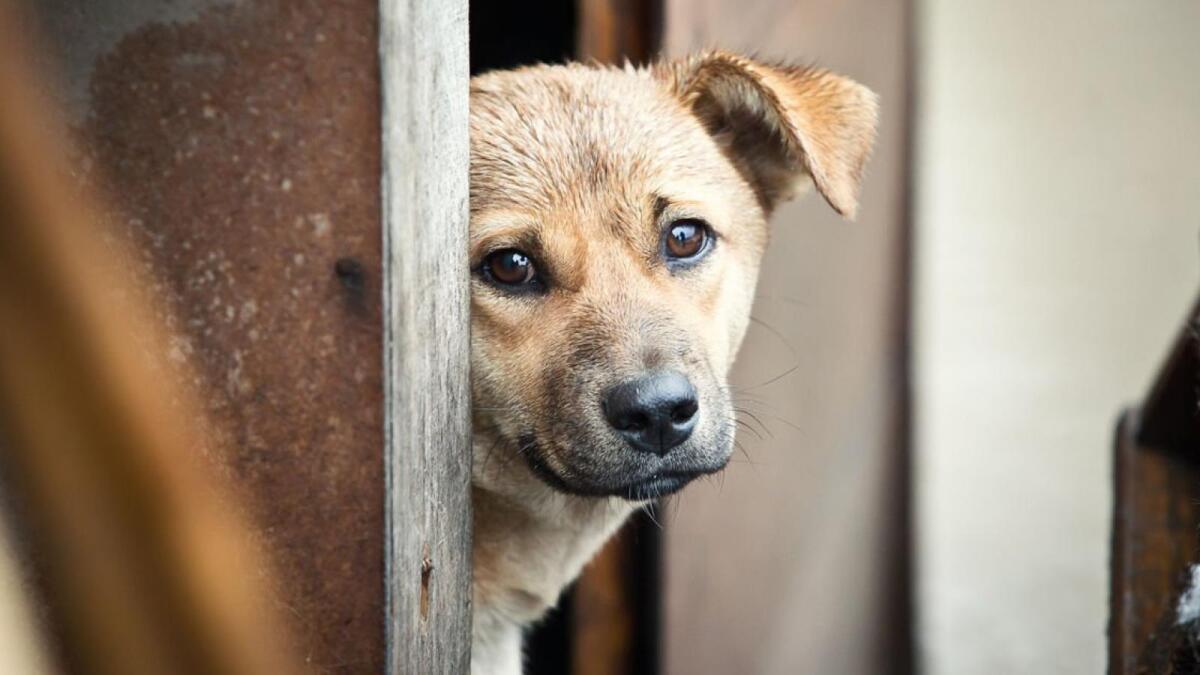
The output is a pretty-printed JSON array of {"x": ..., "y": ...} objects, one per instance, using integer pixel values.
[{"x": 1058, "y": 214}]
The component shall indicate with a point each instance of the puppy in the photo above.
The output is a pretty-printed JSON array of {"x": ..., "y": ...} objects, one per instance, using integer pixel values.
[{"x": 618, "y": 219}]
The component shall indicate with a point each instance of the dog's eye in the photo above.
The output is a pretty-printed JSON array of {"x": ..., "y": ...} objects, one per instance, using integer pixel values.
[
  {"x": 686, "y": 238},
  {"x": 510, "y": 267}
]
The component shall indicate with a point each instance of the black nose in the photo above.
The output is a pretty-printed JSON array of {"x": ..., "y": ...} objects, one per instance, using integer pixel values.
[{"x": 654, "y": 413}]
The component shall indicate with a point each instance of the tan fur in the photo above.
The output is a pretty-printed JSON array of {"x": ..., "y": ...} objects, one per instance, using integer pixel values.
[{"x": 583, "y": 168}]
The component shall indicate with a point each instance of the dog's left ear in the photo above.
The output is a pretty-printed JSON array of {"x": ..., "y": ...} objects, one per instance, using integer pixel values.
[{"x": 781, "y": 125}]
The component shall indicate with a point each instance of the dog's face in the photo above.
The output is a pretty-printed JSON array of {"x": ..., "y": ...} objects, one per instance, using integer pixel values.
[{"x": 618, "y": 218}]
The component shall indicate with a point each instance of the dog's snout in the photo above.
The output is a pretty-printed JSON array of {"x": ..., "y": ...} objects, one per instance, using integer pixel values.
[{"x": 653, "y": 413}]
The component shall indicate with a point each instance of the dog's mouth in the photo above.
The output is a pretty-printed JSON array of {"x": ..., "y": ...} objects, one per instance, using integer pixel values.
[{"x": 658, "y": 484}]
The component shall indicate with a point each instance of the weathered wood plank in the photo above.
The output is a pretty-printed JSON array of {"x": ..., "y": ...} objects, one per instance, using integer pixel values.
[
  {"x": 424, "y": 76},
  {"x": 1156, "y": 509}
]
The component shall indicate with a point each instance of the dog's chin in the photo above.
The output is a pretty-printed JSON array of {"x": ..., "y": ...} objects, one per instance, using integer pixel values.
[
  {"x": 654, "y": 487},
  {"x": 636, "y": 489},
  {"x": 659, "y": 485}
]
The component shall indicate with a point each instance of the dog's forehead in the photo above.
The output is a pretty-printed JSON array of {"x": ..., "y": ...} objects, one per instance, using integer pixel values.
[{"x": 549, "y": 135}]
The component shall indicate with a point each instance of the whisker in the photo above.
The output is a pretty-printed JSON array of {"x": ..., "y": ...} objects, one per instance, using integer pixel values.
[
  {"x": 771, "y": 411},
  {"x": 780, "y": 298},
  {"x": 791, "y": 424},
  {"x": 773, "y": 380},
  {"x": 648, "y": 509},
  {"x": 778, "y": 335},
  {"x": 746, "y": 425},
  {"x": 753, "y": 464},
  {"x": 756, "y": 419}
]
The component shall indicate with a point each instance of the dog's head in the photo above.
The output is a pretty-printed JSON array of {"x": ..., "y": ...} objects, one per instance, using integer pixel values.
[{"x": 618, "y": 218}]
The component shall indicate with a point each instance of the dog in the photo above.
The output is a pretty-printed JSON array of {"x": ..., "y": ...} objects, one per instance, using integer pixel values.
[{"x": 618, "y": 220}]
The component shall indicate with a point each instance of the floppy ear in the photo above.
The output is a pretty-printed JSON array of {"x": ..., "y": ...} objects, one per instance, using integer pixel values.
[{"x": 781, "y": 125}]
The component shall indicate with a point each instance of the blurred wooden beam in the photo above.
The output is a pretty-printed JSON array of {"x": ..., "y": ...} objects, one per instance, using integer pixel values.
[
  {"x": 615, "y": 610},
  {"x": 240, "y": 143},
  {"x": 147, "y": 568},
  {"x": 611, "y": 31},
  {"x": 22, "y": 646},
  {"x": 1155, "y": 541},
  {"x": 1156, "y": 516}
]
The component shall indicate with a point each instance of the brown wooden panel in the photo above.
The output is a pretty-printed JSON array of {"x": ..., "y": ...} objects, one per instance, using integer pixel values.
[
  {"x": 240, "y": 143},
  {"x": 796, "y": 561},
  {"x": 1155, "y": 540},
  {"x": 1156, "y": 516},
  {"x": 603, "y": 617},
  {"x": 611, "y": 31},
  {"x": 615, "y": 606}
]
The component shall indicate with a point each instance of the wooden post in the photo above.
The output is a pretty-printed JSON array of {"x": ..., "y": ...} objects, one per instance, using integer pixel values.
[
  {"x": 143, "y": 562},
  {"x": 424, "y": 78},
  {"x": 1155, "y": 515}
]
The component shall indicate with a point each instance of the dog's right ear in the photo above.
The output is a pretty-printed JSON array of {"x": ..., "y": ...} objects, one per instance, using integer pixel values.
[{"x": 780, "y": 125}]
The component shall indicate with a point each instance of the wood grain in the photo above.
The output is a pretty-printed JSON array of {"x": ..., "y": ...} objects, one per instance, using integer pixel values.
[{"x": 424, "y": 75}]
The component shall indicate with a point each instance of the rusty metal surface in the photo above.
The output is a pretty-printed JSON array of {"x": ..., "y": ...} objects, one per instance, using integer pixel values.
[{"x": 241, "y": 145}]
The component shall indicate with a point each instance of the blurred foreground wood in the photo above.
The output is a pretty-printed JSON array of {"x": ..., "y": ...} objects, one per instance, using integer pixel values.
[
  {"x": 240, "y": 143},
  {"x": 21, "y": 649},
  {"x": 146, "y": 568}
]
